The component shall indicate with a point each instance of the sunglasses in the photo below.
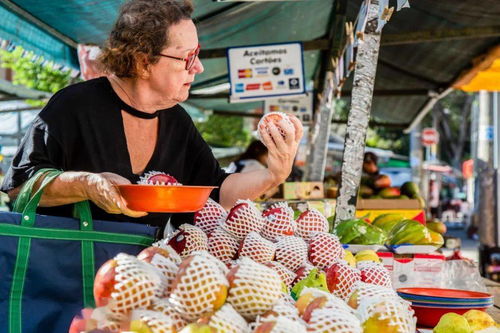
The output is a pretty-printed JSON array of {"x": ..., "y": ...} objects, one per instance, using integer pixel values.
[{"x": 190, "y": 59}]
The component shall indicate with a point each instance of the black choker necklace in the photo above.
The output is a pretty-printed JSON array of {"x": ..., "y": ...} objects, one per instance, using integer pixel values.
[{"x": 139, "y": 114}]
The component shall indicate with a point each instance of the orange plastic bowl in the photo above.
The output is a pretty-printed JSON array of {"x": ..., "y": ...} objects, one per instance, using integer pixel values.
[{"x": 165, "y": 198}]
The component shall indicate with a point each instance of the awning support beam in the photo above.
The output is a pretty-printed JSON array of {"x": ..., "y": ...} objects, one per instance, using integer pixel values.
[
  {"x": 359, "y": 116},
  {"x": 325, "y": 103}
]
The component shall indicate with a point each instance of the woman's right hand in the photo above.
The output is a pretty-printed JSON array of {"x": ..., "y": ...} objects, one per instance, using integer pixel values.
[{"x": 101, "y": 189}]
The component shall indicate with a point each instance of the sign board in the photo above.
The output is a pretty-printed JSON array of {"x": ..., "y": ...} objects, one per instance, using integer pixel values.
[
  {"x": 486, "y": 133},
  {"x": 429, "y": 137},
  {"x": 300, "y": 106},
  {"x": 265, "y": 71}
]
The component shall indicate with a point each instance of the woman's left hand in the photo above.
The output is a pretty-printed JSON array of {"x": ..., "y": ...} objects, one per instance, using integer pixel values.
[{"x": 281, "y": 149}]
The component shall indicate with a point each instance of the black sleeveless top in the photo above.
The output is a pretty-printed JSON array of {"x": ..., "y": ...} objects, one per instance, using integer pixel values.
[{"x": 81, "y": 129}]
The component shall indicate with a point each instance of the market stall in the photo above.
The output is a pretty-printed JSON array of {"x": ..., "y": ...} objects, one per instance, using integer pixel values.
[{"x": 283, "y": 267}]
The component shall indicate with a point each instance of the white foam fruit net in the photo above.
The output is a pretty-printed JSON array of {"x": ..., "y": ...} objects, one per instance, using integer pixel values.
[
  {"x": 101, "y": 318},
  {"x": 282, "y": 325},
  {"x": 311, "y": 222},
  {"x": 255, "y": 288},
  {"x": 244, "y": 218},
  {"x": 267, "y": 117},
  {"x": 156, "y": 321},
  {"x": 375, "y": 273},
  {"x": 395, "y": 311},
  {"x": 282, "y": 309},
  {"x": 334, "y": 320},
  {"x": 227, "y": 320},
  {"x": 169, "y": 270},
  {"x": 163, "y": 305},
  {"x": 332, "y": 302},
  {"x": 172, "y": 255},
  {"x": 291, "y": 251},
  {"x": 222, "y": 245},
  {"x": 137, "y": 285},
  {"x": 324, "y": 249},
  {"x": 197, "y": 287},
  {"x": 367, "y": 290},
  {"x": 210, "y": 216},
  {"x": 216, "y": 262},
  {"x": 257, "y": 248},
  {"x": 347, "y": 278},
  {"x": 195, "y": 239},
  {"x": 279, "y": 221},
  {"x": 286, "y": 275},
  {"x": 302, "y": 274}
]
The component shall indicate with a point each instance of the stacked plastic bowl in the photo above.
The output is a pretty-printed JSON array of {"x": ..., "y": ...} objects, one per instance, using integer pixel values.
[{"x": 430, "y": 304}]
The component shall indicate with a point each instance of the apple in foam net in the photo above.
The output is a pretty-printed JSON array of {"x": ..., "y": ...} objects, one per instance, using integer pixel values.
[{"x": 104, "y": 282}]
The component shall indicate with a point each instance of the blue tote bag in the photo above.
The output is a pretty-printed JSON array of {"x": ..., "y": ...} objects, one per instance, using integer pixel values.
[{"x": 48, "y": 263}]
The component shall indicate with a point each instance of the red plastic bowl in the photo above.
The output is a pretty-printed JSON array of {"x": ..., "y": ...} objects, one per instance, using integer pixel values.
[
  {"x": 428, "y": 316},
  {"x": 165, "y": 198}
]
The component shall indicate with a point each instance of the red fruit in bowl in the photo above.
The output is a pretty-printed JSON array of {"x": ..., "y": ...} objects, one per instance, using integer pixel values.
[
  {"x": 188, "y": 239},
  {"x": 280, "y": 221},
  {"x": 210, "y": 216},
  {"x": 324, "y": 249},
  {"x": 311, "y": 222},
  {"x": 341, "y": 279},
  {"x": 158, "y": 178},
  {"x": 243, "y": 218}
]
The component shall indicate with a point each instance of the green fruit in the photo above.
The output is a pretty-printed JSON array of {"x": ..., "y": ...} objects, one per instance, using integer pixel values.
[
  {"x": 421, "y": 201},
  {"x": 315, "y": 279},
  {"x": 403, "y": 197},
  {"x": 452, "y": 323},
  {"x": 410, "y": 189},
  {"x": 365, "y": 191},
  {"x": 389, "y": 193},
  {"x": 437, "y": 226},
  {"x": 435, "y": 239},
  {"x": 409, "y": 232},
  {"x": 380, "y": 220},
  {"x": 359, "y": 232},
  {"x": 387, "y": 226}
]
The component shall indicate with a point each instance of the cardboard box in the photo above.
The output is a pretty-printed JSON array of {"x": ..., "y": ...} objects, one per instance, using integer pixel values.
[
  {"x": 417, "y": 270},
  {"x": 369, "y": 204},
  {"x": 303, "y": 190}
]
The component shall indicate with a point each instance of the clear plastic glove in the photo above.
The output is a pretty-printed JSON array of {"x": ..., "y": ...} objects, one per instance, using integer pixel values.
[
  {"x": 281, "y": 148},
  {"x": 101, "y": 189}
]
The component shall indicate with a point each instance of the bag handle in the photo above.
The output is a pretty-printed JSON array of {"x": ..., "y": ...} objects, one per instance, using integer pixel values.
[{"x": 27, "y": 204}]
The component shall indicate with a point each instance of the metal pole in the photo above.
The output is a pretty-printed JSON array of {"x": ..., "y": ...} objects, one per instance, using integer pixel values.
[
  {"x": 359, "y": 115},
  {"x": 496, "y": 160},
  {"x": 323, "y": 123},
  {"x": 486, "y": 173}
]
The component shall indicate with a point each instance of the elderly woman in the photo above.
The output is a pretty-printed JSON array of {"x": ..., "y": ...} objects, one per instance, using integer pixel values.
[{"x": 113, "y": 129}]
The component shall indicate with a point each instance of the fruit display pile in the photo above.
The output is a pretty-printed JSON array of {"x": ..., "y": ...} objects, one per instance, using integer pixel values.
[
  {"x": 247, "y": 271},
  {"x": 389, "y": 229}
]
